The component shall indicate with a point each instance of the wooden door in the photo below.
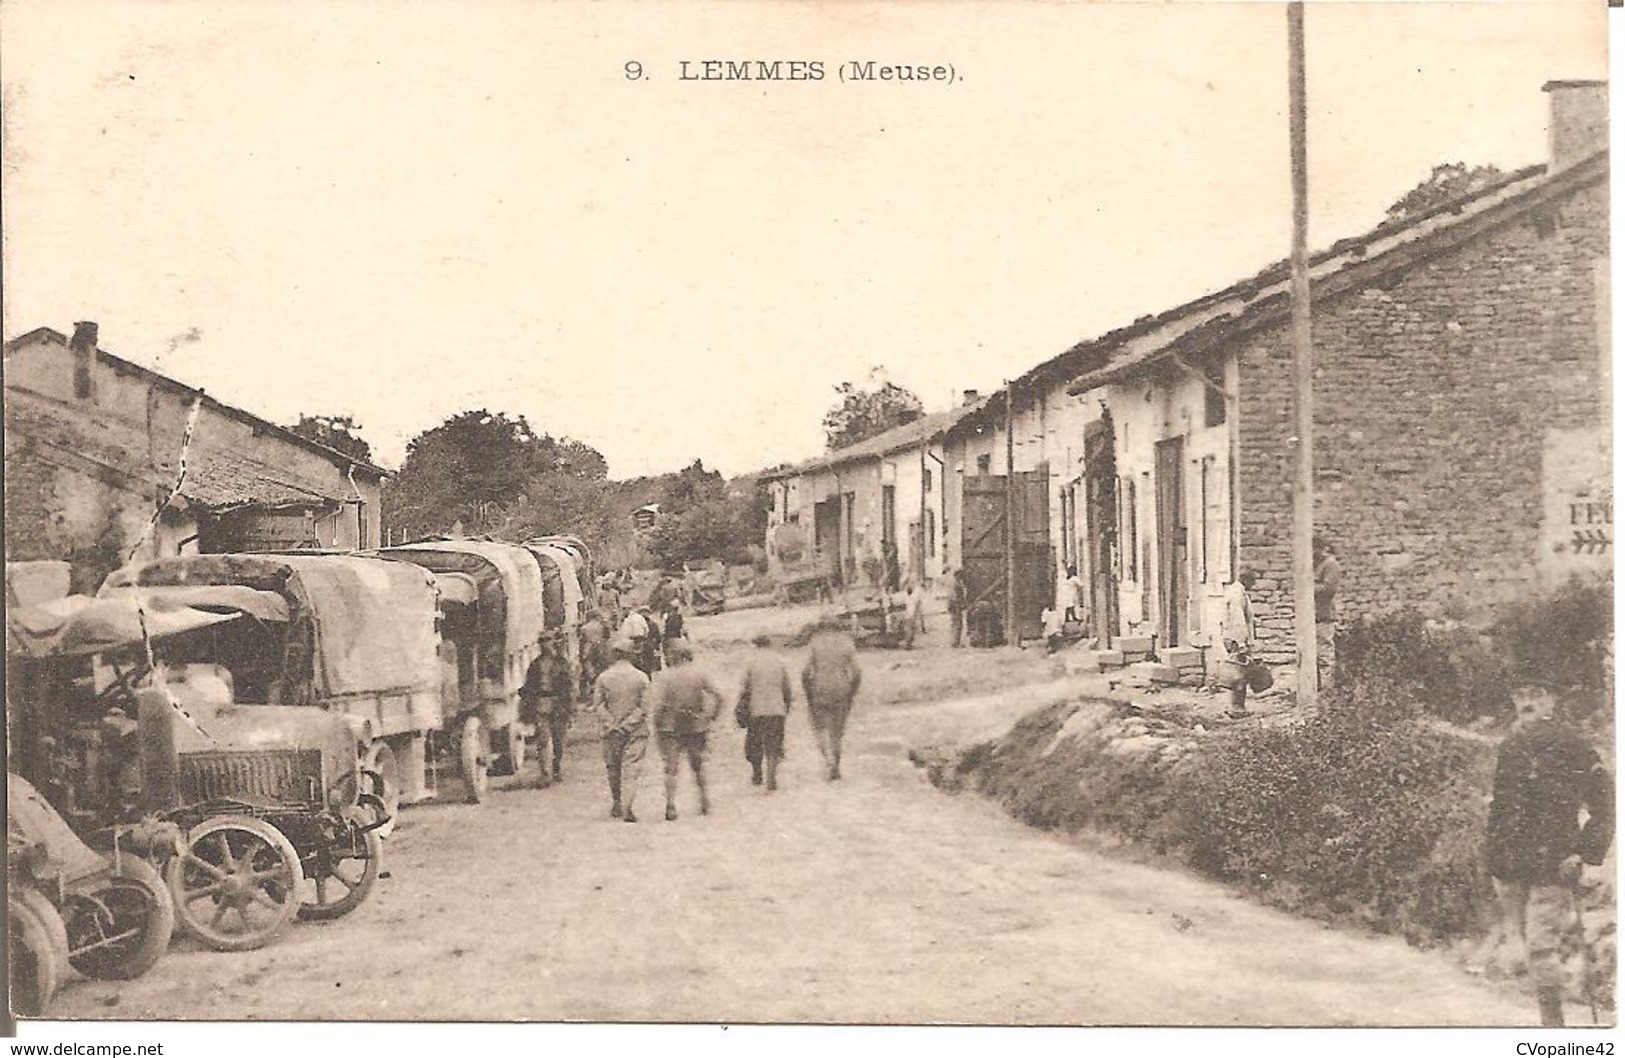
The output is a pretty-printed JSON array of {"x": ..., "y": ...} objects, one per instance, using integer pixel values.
[
  {"x": 1100, "y": 526},
  {"x": 982, "y": 535},
  {"x": 1173, "y": 543}
]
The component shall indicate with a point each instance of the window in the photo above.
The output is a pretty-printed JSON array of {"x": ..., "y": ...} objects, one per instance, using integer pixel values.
[
  {"x": 1216, "y": 407},
  {"x": 984, "y": 464},
  {"x": 931, "y": 533},
  {"x": 925, "y": 480}
]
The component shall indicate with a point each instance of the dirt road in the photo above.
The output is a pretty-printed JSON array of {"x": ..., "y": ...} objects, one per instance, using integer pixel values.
[{"x": 875, "y": 899}]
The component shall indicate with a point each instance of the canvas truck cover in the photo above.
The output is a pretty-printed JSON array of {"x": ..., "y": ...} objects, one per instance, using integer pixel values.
[
  {"x": 373, "y": 623},
  {"x": 579, "y": 553},
  {"x": 80, "y": 624},
  {"x": 552, "y": 586},
  {"x": 573, "y": 595},
  {"x": 510, "y": 586}
]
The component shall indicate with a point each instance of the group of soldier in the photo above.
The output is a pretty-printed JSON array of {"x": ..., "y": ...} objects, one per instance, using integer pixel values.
[{"x": 641, "y": 685}]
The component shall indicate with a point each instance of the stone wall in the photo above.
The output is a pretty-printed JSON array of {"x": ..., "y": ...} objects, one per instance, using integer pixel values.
[{"x": 1435, "y": 393}]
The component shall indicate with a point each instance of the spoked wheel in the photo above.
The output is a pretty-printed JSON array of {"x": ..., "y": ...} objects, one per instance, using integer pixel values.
[
  {"x": 475, "y": 760},
  {"x": 118, "y": 931},
  {"x": 36, "y": 952},
  {"x": 338, "y": 879},
  {"x": 237, "y": 884},
  {"x": 381, "y": 759}
]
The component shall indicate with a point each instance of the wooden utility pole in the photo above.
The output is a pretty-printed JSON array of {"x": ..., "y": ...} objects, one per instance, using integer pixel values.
[
  {"x": 1303, "y": 378},
  {"x": 1010, "y": 635}
]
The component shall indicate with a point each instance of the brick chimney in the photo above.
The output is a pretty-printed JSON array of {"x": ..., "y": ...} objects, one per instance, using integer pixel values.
[
  {"x": 83, "y": 345},
  {"x": 1578, "y": 121},
  {"x": 971, "y": 397}
]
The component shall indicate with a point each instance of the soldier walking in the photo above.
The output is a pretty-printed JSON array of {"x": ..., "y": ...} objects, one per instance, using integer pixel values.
[
  {"x": 1546, "y": 772},
  {"x": 766, "y": 698},
  {"x": 618, "y": 700},
  {"x": 683, "y": 702},
  {"x": 830, "y": 681}
]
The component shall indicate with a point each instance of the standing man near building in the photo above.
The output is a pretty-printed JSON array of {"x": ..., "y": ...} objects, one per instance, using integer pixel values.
[
  {"x": 767, "y": 695},
  {"x": 1237, "y": 630},
  {"x": 1546, "y": 772},
  {"x": 545, "y": 698},
  {"x": 618, "y": 700},
  {"x": 1328, "y": 573},
  {"x": 958, "y": 603},
  {"x": 830, "y": 681},
  {"x": 683, "y": 702}
]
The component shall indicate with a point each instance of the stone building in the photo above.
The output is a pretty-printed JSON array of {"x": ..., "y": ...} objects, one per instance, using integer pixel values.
[
  {"x": 832, "y": 515},
  {"x": 1462, "y": 443},
  {"x": 92, "y": 447}
]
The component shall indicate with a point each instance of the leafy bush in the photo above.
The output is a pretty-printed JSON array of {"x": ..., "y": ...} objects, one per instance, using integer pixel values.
[
  {"x": 1350, "y": 814},
  {"x": 1404, "y": 663},
  {"x": 1566, "y": 637}
]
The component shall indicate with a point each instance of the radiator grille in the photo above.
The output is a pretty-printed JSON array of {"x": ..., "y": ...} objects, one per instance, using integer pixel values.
[{"x": 281, "y": 775}]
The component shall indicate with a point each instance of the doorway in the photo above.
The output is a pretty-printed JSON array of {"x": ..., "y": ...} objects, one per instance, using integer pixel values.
[
  {"x": 1100, "y": 527},
  {"x": 1173, "y": 542}
]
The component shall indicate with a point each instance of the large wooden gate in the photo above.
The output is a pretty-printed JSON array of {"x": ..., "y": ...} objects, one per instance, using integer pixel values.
[{"x": 982, "y": 533}]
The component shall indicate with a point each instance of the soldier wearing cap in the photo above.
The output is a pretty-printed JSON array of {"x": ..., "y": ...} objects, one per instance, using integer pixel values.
[
  {"x": 683, "y": 702},
  {"x": 546, "y": 698},
  {"x": 1546, "y": 772},
  {"x": 766, "y": 696},
  {"x": 618, "y": 701}
]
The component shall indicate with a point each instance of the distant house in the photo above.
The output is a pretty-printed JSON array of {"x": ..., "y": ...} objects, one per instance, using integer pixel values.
[
  {"x": 92, "y": 450},
  {"x": 834, "y": 515},
  {"x": 646, "y": 517},
  {"x": 1462, "y": 445}
]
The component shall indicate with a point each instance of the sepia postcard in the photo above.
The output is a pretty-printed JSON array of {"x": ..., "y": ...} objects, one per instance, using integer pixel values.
[{"x": 550, "y": 518}]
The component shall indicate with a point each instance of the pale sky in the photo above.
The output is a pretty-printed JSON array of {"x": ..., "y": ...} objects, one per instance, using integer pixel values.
[{"x": 399, "y": 212}]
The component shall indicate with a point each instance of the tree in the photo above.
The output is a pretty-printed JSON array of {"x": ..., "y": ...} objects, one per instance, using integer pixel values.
[
  {"x": 704, "y": 517},
  {"x": 475, "y": 468},
  {"x": 863, "y": 413},
  {"x": 338, "y": 432},
  {"x": 1446, "y": 182}
]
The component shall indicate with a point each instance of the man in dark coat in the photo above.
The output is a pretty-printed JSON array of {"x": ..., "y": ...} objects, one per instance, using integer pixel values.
[
  {"x": 1546, "y": 772},
  {"x": 546, "y": 700}
]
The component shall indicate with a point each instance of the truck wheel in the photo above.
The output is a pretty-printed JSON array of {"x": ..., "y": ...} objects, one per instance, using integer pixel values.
[
  {"x": 132, "y": 917},
  {"x": 236, "y": 886},
  {"x": 35, "y": 964},
  {"x": 381, "y": 759},
  {"x": 475, "y": 760},
  {"x": 338, "y": 880}
]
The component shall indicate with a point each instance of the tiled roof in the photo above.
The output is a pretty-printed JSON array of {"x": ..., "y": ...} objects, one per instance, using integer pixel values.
[
  {"x": 1212, "y": 317},
  {"x": 262, "y": 425},
  {"x": 897, "y": 438}
]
